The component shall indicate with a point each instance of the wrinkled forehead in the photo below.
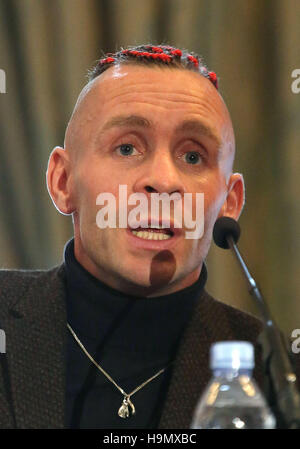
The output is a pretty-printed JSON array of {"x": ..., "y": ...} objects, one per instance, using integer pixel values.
[{"x": 132, "y": 78}]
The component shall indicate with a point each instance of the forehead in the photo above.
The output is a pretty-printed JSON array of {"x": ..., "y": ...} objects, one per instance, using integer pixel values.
[{"x": 161, "y": 86}]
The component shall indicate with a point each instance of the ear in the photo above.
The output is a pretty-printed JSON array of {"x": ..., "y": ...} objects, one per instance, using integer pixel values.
[
  {"x": 235, "y": 199},
  {"x": 58, "y": 180}
]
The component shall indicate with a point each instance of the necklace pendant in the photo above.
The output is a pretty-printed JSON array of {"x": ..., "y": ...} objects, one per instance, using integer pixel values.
[{"x": 124, "y": 409}]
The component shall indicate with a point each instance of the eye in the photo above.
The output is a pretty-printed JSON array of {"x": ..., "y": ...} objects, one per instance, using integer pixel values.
[
  {"x": 126, "y": 149},
  {"x": 192, "y": 157}
]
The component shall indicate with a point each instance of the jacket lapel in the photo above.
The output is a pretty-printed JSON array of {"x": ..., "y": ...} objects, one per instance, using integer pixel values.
[
  {"x": 35, "y": 328},
  {"x": 211, "y": 321}
]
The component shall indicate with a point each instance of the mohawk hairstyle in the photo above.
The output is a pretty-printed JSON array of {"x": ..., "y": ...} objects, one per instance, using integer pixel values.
[{"x": 163, "y": 55}]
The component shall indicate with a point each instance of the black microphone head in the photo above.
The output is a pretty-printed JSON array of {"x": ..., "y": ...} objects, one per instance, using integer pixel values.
[{"x": 224, "y": 227}]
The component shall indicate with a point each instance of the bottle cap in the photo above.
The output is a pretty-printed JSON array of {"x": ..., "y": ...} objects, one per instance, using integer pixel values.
[{"x": 232, "y": 355}]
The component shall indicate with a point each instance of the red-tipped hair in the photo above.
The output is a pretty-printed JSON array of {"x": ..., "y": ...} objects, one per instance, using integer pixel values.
[{"x": 155, "y": 54}]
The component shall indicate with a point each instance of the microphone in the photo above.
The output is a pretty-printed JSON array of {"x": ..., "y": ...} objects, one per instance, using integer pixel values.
[
  {"x": 226, "y": 227},
  {"x": 226, "y": 234}
]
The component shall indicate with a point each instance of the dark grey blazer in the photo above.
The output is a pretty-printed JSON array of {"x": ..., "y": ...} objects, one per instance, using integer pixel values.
[{"x": 32, "y": 376}]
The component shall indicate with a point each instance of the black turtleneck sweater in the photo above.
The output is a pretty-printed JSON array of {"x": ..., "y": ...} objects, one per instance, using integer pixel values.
[{"x": 130, "y": 337}]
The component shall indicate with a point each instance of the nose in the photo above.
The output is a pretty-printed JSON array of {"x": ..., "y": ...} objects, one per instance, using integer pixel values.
[{"x": 160, "y": 175}]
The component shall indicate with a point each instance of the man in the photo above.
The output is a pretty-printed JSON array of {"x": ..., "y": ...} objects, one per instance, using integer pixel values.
[{"x": 118, "y": 336}]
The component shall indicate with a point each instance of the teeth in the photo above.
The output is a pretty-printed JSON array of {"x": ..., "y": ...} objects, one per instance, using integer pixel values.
[{"x": 151, "y": 235}]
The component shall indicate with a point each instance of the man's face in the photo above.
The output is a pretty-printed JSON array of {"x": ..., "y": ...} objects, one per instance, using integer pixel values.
[{"x": 153, "y": 130}]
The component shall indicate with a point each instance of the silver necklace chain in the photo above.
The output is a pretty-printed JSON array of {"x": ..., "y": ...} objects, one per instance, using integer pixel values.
[{"x": 123, "y": 411}]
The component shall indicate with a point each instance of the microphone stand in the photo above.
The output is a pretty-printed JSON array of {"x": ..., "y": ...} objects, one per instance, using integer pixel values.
[{"x": 283, "y": 379}]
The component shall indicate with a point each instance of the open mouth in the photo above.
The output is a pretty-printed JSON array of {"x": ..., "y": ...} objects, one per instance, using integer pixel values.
[{"x": 152, "y": 233}]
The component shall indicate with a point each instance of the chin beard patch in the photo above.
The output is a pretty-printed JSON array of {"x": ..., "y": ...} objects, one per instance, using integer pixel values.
[{"x": 163, "y": 267}]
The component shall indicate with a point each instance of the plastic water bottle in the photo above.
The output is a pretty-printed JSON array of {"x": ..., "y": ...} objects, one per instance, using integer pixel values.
[{"x": 232, "y": 399}]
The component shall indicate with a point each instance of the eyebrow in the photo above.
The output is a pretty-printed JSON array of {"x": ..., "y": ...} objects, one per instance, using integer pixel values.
[
  {"x": 200, "y": 128},
  {"x": 128, "y": 120},
  {"x": 196, "y": 126}
]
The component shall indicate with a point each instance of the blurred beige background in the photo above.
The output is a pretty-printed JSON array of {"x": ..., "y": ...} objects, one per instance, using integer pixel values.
[{"x": 46, "y": 48}]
